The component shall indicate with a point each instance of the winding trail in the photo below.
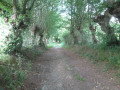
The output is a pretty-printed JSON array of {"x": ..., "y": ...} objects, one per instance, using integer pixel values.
[{"x": 59, "y": 69}]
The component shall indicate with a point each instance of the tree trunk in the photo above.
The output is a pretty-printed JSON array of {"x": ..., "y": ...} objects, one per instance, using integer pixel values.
[
  {"x": 41, "y": 42},
  {"x": 93, "y": 30},
  {"x": 75, "y": 39},
  {"x": 114, "y": 9},
  {"x": 110, "y": 36},
  {"x": 18, "y": 25},
  {"x": 103, "y": 21},
  {"x": 94, "y": 38}
]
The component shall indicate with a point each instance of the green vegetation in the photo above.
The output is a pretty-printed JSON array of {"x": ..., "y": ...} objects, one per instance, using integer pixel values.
[
  {"x": 12, "y": 73},
  {"x": 78, "y": 77},
  {"x": 25, "y": 27},
  {"x": 109, "y": 55},
  {"x": 94, "y": 32},
  {"x": 29, "y": 27}
]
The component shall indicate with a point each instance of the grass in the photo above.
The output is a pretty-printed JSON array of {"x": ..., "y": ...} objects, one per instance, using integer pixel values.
[
  {"x": 78, "y": 77},
  {"x": 109, "y": 57},
  {"x": 14, "y": 68},
  {"x": 32, "y": 52},
  {"x": 51, "y": 45},
  {"x": 97, "y": 54},
  {"x": 12, "y": 73}
]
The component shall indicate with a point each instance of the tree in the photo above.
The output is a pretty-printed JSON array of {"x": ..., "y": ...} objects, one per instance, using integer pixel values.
[
  {"x": 46, "y": 24},
  {"x": 19, "y": 20}
]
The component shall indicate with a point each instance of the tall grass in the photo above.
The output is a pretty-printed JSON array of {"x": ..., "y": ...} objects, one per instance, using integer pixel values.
[
  {"x": 111, "y": 55},
  {"x": 14, "y": 68},
  {"x": 12, "y": 74}
]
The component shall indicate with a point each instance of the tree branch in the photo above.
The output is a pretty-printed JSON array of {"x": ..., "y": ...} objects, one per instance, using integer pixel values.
[
  {"x": 15, "y": 8},
  {"x": 32, "y": 5},
  {"x": 24, "y": 6}
]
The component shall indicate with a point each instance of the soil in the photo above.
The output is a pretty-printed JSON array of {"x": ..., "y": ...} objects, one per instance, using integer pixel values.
[{"x": 60, "y": 69}]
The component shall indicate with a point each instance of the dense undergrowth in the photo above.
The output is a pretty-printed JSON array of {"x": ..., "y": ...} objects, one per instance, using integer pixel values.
[{"x": 14, "y": 68}]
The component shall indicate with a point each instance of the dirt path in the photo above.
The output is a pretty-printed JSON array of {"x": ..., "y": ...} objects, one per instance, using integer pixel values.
[{"x": 58, "y": 69}]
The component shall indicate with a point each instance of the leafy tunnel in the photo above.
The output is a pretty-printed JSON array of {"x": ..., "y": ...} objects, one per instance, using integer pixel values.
[{"x": 29, "y": 24}]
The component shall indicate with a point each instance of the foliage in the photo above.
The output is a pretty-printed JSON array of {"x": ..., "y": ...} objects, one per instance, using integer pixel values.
[
  {"x": 49, "y": 21},
  {"x": 29, "y": 23},
  {"x": 12, "y": 47},
  {"x": 32, "y": 52},
  {"x": 6, "y": 5},
  {"x": 68, "y": 39},
  {"x": 99, "y": 53},
  {"x": 84, "y": 22},
  {"x": 12, "y": 73}
]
